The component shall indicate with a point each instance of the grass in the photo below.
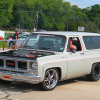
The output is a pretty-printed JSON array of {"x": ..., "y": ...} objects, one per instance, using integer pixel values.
[
  {"x": 5, "y": 45},
  {"x": 1, "y": 42}
]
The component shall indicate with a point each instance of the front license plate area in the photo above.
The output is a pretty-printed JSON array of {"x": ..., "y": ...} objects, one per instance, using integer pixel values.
[{"x": 7, "y": 77}]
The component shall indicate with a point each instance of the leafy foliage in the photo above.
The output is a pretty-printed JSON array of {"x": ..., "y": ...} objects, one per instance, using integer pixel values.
[
  {"x": 6, "y": 9},
  {"x": 49, "y": 15}
]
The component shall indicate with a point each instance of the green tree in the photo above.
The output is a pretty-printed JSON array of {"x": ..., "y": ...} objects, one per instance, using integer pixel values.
[
  {"x": 90, "y": 27},
  {"x": 25, "y": 13},
  {"x": 94, "y": 14},
  {"x": 6, "y": 9},
  {"x": 54, "y": 14},
  {"x": 75, "y": 8},
  {"x": 78, "y": 18}
]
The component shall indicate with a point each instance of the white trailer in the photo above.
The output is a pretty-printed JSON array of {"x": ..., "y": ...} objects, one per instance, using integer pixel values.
[{"x": 2, "y": 34}]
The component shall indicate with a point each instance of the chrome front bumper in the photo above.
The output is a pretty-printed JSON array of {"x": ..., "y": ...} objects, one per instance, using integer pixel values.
[{"x": 21, "y": 78}]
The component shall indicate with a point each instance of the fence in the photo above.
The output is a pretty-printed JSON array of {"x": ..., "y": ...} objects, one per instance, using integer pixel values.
[{"x": 3, "y": 45}]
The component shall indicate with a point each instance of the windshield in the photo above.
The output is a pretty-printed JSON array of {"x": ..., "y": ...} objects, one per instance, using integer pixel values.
[{"x": 45, "y": 42}]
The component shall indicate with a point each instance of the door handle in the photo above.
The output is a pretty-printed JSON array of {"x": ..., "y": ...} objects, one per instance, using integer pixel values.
[{"x": 82, "y": 53}]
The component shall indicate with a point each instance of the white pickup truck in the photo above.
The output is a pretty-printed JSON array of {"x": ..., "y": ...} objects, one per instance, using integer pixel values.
[{"x": 47, "y": 58}]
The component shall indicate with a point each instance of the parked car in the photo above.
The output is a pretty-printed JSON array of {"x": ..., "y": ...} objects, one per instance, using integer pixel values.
[
  {"x": 21, "y": 38},
  {"x": 24, "y": 33}
]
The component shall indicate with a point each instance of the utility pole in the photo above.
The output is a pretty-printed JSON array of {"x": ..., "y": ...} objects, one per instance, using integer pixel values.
[
  {"x": 67, "y": 24},
  {"x": 37, "y": 21},
  {"x": 19, "y": 27},
  {"x": 98, "y": 23}
]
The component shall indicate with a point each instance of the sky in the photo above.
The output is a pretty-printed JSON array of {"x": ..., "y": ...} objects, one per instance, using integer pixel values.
[{"x": 84, "y": 3}]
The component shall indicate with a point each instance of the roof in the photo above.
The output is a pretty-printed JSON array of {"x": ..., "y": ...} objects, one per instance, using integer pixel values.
[{"x": 66, "y": 33}]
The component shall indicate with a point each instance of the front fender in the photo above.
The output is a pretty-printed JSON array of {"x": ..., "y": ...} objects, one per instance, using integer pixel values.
[{"x": 54, "y": 61}]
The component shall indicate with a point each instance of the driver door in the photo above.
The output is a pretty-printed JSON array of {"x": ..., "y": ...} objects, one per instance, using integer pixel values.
[{"x": 76, "y": 61}]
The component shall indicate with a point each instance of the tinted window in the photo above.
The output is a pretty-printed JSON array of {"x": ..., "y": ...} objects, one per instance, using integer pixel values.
[{"x": 92, "y": 42}]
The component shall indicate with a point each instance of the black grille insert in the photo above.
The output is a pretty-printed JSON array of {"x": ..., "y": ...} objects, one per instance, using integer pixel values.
[
  {"x": 22, "y": 65},
  {"x": 10, "y": 63},
  {"x": 1, "y": 62}
]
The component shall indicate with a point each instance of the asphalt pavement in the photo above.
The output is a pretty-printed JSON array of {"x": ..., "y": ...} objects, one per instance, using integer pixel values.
[
  {"x": 5, "y": 49},
  {"x": 74, "y": 89}
]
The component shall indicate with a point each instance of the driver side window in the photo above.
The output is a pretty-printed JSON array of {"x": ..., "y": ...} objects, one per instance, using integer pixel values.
[{"x": 73, "y": 44}]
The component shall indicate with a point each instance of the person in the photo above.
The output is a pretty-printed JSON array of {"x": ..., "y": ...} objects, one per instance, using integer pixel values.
[
  {"x": 17, "y": 32},
  {"x": 15, "y": 37},
  {"x": 73, "y": 47}
]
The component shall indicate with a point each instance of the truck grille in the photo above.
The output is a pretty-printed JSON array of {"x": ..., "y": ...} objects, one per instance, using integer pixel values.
[
  {"x": 14, "y": 65},
  {"x": 22, "y": 65},
  {"x": 10, "y": 63},
  {"x": 1, "y": 62}
]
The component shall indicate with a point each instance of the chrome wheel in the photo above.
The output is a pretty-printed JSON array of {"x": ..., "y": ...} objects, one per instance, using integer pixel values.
[{"x": 50, "y": 79}]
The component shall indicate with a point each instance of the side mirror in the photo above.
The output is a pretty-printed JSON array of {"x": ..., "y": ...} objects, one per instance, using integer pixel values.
[{"x": 73, "y": 51}]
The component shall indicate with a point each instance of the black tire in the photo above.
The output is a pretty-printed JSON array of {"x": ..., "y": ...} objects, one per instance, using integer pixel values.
[
  {"x": 95, "y": 73},
  {"x": 50, "y": 80},
  {"x": 11, "y": 44},
  {"x": 4, "y": 82}
]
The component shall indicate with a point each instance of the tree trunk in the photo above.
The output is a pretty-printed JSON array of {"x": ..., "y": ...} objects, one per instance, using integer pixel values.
[{"x": 19, "y": 27}]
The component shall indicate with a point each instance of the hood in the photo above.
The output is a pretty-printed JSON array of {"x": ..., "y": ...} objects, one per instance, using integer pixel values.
[{"x": 26, "y": 53}]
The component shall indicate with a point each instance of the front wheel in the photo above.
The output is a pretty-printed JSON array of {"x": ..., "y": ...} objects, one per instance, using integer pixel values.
[
  {"x": 50, "y": 79},
  {"x": 11, "y": 44},
  {"x": 95, "y": 73}
]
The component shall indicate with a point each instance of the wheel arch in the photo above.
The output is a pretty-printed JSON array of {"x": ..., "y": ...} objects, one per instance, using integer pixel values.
[
  {"x": 95, "y": 63},
  {"x": 58, "y": 69},
  {"x": 94, "y": 75},
  {"x": 10, "y": 42}
]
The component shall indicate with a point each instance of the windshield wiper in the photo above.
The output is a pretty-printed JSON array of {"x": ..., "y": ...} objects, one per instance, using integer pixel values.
[{"x": 44, "y": 48}]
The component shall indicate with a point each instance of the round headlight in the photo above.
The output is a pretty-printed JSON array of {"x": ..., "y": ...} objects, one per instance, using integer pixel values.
[{"x": 34, "y": 66}]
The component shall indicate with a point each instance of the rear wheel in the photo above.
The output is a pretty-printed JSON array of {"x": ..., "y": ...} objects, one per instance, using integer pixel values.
[
  {"x": 95, "y": 73},
  {"x": 11, "y": 44},
  {"x": 50, "y": 80}
]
